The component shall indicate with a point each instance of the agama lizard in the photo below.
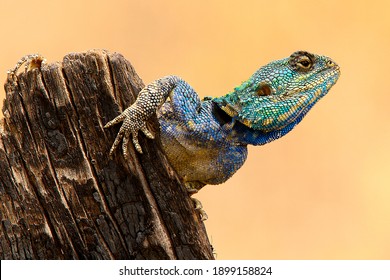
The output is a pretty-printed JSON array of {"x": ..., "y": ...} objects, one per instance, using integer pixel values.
[{"x": 206, "y": 140}]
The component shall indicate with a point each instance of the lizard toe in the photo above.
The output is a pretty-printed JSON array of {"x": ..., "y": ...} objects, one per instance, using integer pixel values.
[
  {"x": 147, "y": 132},
  {"x": 199, "y": 208},
  {"x": 118, "y": 119},
  {"x": 136, "y": 142}
]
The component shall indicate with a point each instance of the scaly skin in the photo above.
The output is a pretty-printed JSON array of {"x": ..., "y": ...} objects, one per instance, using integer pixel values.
[
  {"x": 31, "y": 61},
  {"x": 206, "y": 141}
]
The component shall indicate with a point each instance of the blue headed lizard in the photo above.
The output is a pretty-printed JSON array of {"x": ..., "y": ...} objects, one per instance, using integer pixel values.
[{"x": 206, "y": 140}]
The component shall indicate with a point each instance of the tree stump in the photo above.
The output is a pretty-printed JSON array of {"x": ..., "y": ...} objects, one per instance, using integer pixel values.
[{"x": 61, "y": 195}]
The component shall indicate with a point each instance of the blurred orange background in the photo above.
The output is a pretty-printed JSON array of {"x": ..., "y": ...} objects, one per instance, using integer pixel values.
[{"x": 321, "y": 192}]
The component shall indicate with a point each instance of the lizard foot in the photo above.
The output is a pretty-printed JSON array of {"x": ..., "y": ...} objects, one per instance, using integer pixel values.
[
  {"x": 134, "y": 118},
  {"x": 192, "y": 188},
  {"x": 31, "y": 61},
  {"x": 199, "y": 208},
  {"x": 132, "y": 123}
]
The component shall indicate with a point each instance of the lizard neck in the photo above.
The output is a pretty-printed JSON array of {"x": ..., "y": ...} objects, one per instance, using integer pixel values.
[{"x": 241, "y": 134}]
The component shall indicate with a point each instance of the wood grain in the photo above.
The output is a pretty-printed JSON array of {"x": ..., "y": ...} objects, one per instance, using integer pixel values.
[{"x": 61, "y": 196}]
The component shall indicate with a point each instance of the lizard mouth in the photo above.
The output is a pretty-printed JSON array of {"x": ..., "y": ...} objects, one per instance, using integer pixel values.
[
  {"x": 278, "y": 111},
  {"x": 266, "y": 108},
  {"x": 332, "y": 73},
  {"x": 328, "y": 77}
]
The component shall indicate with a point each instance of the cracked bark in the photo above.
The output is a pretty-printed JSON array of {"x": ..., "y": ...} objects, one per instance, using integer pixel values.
[{"x": 61, "y": 196}]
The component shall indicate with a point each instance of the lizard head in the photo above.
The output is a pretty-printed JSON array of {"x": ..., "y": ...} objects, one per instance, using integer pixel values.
[{"x": 281, "y": 92}]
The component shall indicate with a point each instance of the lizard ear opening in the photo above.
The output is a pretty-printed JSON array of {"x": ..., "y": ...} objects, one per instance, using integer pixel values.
[{"x": 264, "y": 89}]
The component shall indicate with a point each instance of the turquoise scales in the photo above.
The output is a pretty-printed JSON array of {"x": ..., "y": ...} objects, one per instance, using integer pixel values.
[{"x": 206, "y": 140}]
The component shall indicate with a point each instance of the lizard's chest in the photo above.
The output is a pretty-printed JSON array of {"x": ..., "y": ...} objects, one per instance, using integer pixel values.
[
  {"x": 200, "y": 150},
  {"x": 197, "y": 162}
]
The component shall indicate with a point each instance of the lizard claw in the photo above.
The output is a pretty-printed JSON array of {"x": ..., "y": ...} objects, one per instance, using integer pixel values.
[
  {"x": 31, "y": 61},
  {"x": 199, "y": 208},
  {"x": 147, "y": 132},
  {"x": 136, "y": 144},
  {"x": 131, "y": 125},
  {"x": 194, "y": 187},
  {"x": 134, "y": 118},
  {"x": 118, "y": 119}
]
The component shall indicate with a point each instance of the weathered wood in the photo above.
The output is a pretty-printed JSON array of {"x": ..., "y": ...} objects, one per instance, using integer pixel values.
[{"x": 61, "y": 196}]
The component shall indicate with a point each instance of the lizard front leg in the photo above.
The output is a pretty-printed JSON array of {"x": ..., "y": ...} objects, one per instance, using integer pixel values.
[
  {"x": 134, "y": 117},
  {"x": 185, "y": 105}
]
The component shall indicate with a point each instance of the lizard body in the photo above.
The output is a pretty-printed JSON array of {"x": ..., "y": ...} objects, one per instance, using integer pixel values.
[{"x": 206, "y": 140}]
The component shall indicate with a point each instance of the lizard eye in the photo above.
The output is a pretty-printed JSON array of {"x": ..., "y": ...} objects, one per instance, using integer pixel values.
[
  {"x": 330, "y": 63},
  {"x": 264, "y": 90},
  {"x": 301, "y": 61},
  {"x": 304, "y": 63}
]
